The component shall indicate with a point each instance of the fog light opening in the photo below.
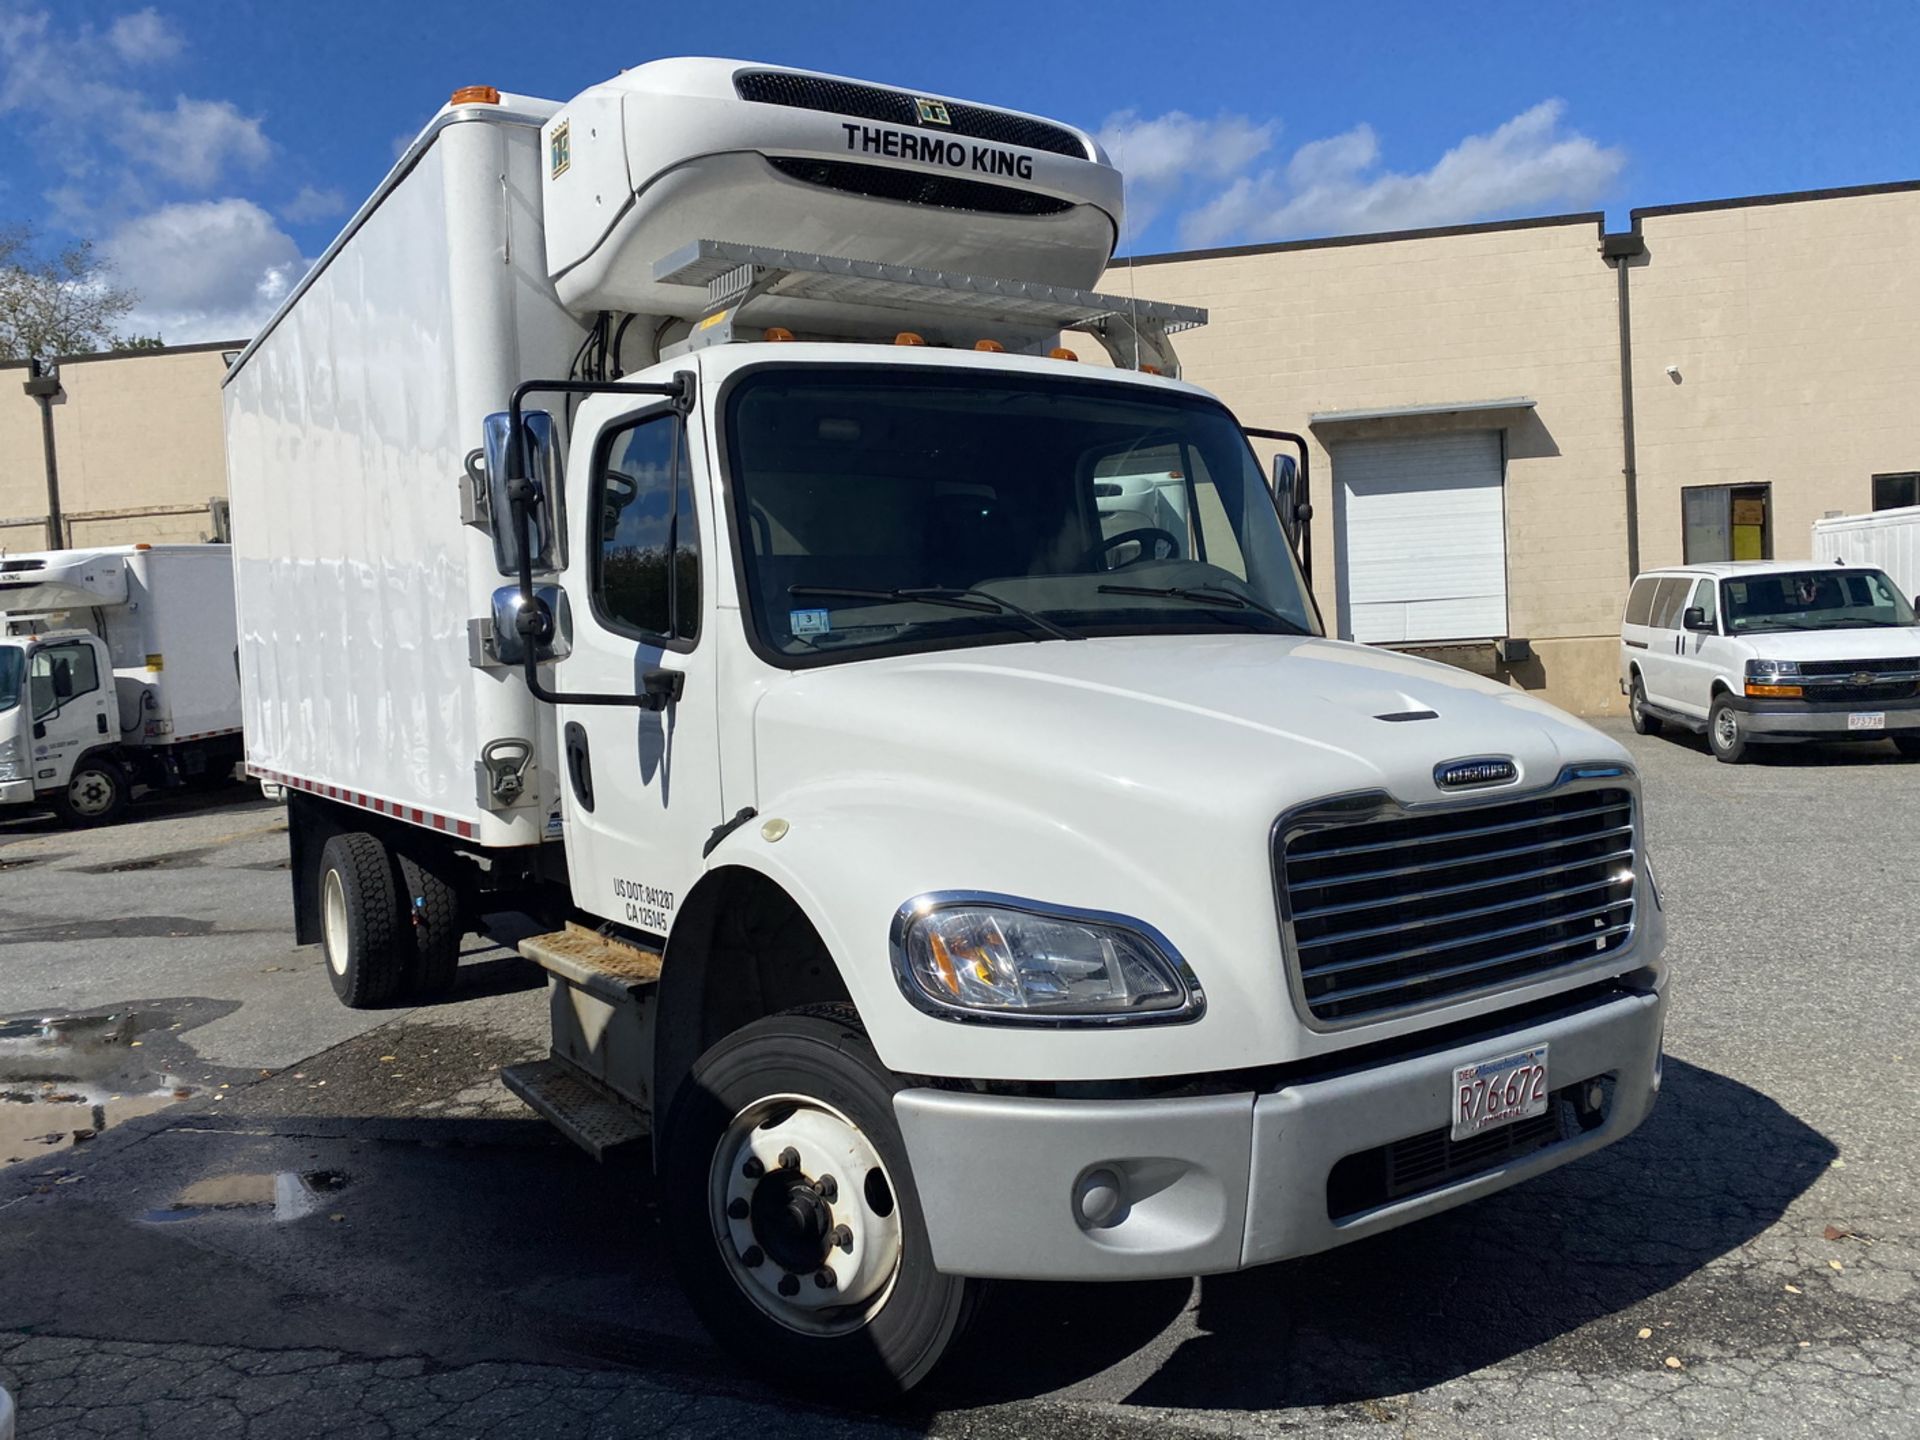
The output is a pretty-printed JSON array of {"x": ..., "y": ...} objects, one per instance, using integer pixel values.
[{"x": 1100, "y": 1199}]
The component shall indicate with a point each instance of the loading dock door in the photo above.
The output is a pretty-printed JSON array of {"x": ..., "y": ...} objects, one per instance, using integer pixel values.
[{"x": 1423, "y": 538}]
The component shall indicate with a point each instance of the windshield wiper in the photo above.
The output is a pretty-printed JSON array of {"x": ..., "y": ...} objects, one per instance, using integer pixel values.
[
  {"x": 978, "y": 600},
  {"x": 1207, "y": 595}
]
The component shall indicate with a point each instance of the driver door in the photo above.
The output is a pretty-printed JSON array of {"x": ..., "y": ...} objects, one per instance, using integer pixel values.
[
  {"x": 71, "y": 692},
  {"x": 641, "y": 787}
]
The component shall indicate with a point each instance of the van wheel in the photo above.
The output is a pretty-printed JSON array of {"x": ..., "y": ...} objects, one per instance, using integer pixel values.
[
  {"x": 362, "y": 928},
  {"x": 1726, "y": 736},
  {"x": 1643, "y": 723},
  {"x": 433, "y": 909},
  {"x": 792, "y": 1217},
  {"x": 95, "y": 794}
]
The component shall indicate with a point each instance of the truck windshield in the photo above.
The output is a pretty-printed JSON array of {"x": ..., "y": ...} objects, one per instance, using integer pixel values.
[
  {"x": 13, "y": 669},
  {"x": 882, "y": 510},
  {"x": 1830, "y": 599}
]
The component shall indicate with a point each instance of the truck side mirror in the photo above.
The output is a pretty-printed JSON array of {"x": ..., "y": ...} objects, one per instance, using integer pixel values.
[
  {"x": 1286, "y": 480},
  {"x": 1695, "y": 618},
  {"x": 541, "y": 451},
  {"x": 545, "y": 626}
]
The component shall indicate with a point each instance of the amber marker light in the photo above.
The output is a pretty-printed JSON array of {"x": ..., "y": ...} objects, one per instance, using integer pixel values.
[
  {"x": 991, "y": 346},
  {"x": 475, "y": 95},
  {"x": 907, "y": 337},
  {"x": 1060, "y": 352},
  {"x": 776, "y": 334},
  {"x": 1773, "y": 692}
]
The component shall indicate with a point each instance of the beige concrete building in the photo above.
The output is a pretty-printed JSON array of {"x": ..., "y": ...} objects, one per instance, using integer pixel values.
[
  {"x": 137, "y": 443},
  {"x": 1480, "y": 474},
  {"x": 1484, "y": 484}
]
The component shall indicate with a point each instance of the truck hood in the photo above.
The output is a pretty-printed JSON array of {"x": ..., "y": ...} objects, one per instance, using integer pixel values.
[
  {"x": 1266, "y": 721},
  {"x": 1879, "y": 643}
]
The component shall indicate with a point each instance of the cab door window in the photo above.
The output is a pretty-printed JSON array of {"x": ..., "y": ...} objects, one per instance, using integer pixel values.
[
  {"x": 61, "y": 673},
  {"x": 645, "y": 534}
]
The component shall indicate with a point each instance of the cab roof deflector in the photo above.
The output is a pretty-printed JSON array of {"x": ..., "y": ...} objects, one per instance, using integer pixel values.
[{"x": 871, "y": 295}]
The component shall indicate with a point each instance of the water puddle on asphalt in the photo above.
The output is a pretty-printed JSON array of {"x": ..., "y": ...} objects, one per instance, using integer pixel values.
[
  {"x": 282, "y": 1195},
  {"x": 64, "y": 1080}
]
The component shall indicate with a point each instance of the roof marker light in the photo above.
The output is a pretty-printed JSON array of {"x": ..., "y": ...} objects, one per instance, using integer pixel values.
[
  {"x": 1149, "y": 369},
  {"x": 475, "y": 95},
  {"x": 1060, "y": 352},
  {"x": 991, "y": 346},
  {"x": 774, "y": 334},
  {"x": 907, "y": 337}
]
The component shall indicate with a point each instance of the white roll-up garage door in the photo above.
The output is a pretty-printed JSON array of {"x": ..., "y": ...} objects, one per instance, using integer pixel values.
[{"x": 1423, "y": 538}]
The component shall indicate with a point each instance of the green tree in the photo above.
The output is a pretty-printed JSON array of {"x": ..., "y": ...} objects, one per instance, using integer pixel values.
[{"x": 62, "y": 303}]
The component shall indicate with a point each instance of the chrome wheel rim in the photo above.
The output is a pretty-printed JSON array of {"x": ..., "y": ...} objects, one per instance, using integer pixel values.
[
  {"x": 805, "y": 1215},
  {"x": 333, "y": 920}
]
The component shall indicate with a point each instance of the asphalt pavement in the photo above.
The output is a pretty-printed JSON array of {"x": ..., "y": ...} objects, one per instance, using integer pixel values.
[{"x": 287, "y": 1218}]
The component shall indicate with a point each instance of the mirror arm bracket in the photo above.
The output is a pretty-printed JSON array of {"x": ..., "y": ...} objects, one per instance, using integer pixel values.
[{"x": 535, "y": 620}]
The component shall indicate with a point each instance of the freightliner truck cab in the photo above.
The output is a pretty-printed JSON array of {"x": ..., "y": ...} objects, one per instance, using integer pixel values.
[{"x": 967, "y": 855}]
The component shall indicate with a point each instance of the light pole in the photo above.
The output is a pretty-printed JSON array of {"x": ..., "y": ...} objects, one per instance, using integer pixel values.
[{"x": 43, "y": 384}]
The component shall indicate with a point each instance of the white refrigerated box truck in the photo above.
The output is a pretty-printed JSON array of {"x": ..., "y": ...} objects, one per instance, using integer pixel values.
[
  {"x": 1886, "y": 540},
  {"x": 118, "y": 668},
  {"x": 673, "y": 513}
]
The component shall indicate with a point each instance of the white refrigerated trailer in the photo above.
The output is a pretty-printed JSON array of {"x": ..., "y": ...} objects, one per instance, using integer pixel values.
[
  {"x": 674, "y": 513},
  {"x": 118, "y": 667},
  {"x": 1886, "y": 540}
]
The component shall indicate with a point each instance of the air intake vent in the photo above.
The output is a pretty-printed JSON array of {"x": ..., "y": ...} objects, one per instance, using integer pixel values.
[
  {"x": 943, "y": 192},
  {"x": 896, "y": 107}
]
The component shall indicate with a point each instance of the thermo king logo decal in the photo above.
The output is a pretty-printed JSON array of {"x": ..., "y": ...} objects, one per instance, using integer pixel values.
[
  {"x": 932, "y": 112},
  {"x": 560, "y": 150},
  {"x": 1482, "y": 770}
]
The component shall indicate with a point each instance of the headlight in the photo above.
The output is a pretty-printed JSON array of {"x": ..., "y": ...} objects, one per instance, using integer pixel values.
[
  {"x": 992, "y": 957},
  {"x": 11, "y": 766},
  {"x": 1773, "y": 669}
]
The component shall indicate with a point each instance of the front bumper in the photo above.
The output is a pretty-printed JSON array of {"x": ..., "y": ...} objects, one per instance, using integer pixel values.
[
  {"x": 1825, "y": 719},
  {"x": 1221, "y": 1182},
  {"x": 16, "y": 792}
]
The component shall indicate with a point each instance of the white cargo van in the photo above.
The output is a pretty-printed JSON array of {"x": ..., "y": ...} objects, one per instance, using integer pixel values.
[
  {"x": 673, "y": 512},
  {"x": 118, "y": 667}
]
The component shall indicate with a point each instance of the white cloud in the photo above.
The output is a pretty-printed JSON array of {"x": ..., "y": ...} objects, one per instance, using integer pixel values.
[
  {"x": 311, "y": 204},
  {"x": 1331, "y": 186},
  {"x": 204, "y": 270},
  {"x": 144, "y": 37},
  {"x": 195, "y": 142},
  {"x": 1174, "y": 155}
]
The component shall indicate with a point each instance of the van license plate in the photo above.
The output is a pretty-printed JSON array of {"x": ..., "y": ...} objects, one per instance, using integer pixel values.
[
  {"x": 1498, "y": 1092},
  {"x": 1867, "y": 720}
]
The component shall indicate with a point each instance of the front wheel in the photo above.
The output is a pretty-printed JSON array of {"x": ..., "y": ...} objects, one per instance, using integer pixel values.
[
  {"x": 95, "y": 794},
  {"x": 1726, "y": 736},
  {"x": 792, "y": 1215}
]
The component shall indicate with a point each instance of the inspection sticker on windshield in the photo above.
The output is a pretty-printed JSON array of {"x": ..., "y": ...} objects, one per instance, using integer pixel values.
[
  {"x": 1493, "y": 1093},
  {"x": 809, "y": 622},
  {"x": 1867, "y": 720}
]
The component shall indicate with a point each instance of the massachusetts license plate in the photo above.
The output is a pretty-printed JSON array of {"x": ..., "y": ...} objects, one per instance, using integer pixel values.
[
  {"x": 1867, "y": 720},
  {"x": 1500, "y": 1091}
]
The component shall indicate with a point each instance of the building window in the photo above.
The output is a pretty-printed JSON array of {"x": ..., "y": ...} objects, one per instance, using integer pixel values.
[
  {"x": 1727, "y": 522},
  {"x": 1893, "y": 492}
]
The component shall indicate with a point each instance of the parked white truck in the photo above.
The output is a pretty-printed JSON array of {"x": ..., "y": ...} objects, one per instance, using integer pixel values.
[
  {"x": 954, "y": 874},
  {"x": 1886, "y": 540},
  {"x": 118, "y": 667}
]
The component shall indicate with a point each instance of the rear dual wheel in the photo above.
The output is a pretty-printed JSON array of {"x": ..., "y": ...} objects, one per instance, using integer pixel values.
[
  {"x": 792, "y": 1216},
  {"x": 389, "y": 926}
]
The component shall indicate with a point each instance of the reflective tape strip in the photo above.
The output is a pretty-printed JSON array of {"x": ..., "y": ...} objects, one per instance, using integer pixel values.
[{"x": 410, "y": 814}]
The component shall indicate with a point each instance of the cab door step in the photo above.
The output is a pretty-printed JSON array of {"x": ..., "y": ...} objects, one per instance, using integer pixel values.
[
  {"x": 596, "y": 1120},
  {"x": 600, "y": 1009}
]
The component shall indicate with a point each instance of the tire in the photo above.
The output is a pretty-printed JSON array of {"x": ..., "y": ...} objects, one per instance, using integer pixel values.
[
  {"x": 1643, "y": 723},
  {"x": 96, "y": 793},
  {"x": 1726, "y": 737},
  {"x": 1908, "y": 745},
  {"x": 434, "y": 910},
  {"x": 363, "y": 931},
  {"x": 733, "y": 1250}
]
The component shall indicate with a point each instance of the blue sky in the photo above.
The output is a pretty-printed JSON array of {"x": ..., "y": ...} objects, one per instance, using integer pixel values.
[{"x": 211, "y": 150}]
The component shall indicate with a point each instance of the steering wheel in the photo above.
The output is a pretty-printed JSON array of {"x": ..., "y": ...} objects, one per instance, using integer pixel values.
[{"x": 1150, "y": 538}]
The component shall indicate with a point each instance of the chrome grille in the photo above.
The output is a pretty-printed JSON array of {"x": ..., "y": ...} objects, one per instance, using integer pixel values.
[{"x": 1389, "y": 910}]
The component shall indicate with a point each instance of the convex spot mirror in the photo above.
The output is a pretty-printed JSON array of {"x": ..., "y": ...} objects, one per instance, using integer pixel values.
[
  {"x": 542, "y": 465},
  {"x": 556, "y": 619},
  {"x": 1695, "y": 618}
]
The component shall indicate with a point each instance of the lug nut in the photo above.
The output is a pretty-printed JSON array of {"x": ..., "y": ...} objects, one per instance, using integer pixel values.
[
  {"x": 828, "y": 1188},
  {"x": 789, "y": 1285},
  {"x": 843, "y": 1237},
  {"x": 738, "y": 1209},
  {"x": 753, "y": 1169},
  {"x": 753, "y": 1257},
  {"x": 823, "y": 1277},
  {"x": 789, "y": 1159}
]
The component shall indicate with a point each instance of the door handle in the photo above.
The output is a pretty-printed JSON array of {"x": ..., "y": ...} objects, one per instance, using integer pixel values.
[
  {"x": 100, "y": 723},
  {"x": 579, "y": 765}
]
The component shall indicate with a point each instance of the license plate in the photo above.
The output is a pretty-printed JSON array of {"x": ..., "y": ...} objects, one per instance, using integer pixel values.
[
  {"x": 1867, "y": 720},
  {"x": 1498, "y": 1092}
]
